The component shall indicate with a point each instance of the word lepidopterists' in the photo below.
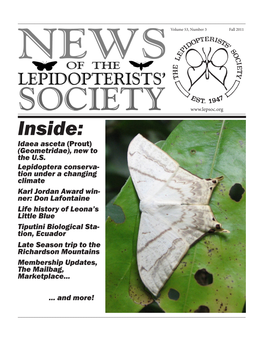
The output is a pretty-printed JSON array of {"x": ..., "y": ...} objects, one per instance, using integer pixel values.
[
  {"x": 42, "y": 66},
  {"x": 174, "y": 211}
]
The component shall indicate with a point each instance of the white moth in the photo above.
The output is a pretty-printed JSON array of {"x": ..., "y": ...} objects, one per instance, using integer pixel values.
[{"x": 174, "y": 211}]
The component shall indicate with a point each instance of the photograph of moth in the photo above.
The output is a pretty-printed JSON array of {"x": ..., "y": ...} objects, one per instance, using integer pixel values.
[{"x": 174, "y": 207}]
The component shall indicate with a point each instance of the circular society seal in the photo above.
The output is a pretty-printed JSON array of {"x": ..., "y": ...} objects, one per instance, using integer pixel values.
[{"x": 207, "y": 70}]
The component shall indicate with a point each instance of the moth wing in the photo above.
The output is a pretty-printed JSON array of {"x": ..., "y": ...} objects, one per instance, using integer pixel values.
[
  {"x": 165, "y": 234},
  {"x": 134, "y": 63},
  {"x": 150, "y": 168},
  {"x": 194, "y": 58},
  {"x": 147, "y": 63},
  {"x": 219, "y": 74},
  {"x": 220, "y": 57},
  {"x": 156, "y": 174},
  {"x": 217, "y": 66},
  {"x": 194, "y": 74},
  {"x": 50, "y": 65},
  {"x": 197, "y": 66},
  {"x": 39, "y": 65}
]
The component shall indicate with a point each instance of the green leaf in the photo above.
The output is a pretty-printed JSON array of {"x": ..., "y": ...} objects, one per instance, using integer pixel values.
[{"x": 211, "y": 276}]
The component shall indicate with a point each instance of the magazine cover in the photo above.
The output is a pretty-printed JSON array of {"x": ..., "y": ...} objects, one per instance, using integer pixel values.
[{"x": 126, "y": 173}]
